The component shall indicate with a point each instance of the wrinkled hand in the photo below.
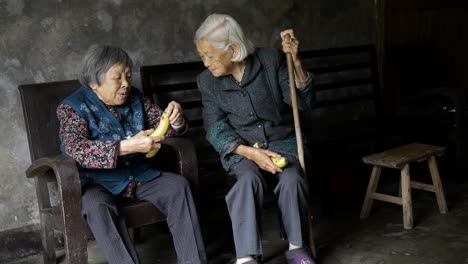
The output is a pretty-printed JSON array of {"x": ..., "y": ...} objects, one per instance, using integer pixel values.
[
  {"x": 175, "y": 113},
  {"x": 141, "y": 143},
  {"x": 290, "y": 43},
  {"x": 263, "y": 160}
]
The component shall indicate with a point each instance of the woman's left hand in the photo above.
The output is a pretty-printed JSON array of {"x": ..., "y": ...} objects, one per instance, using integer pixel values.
[
  {"x": 175, "y": 113},
  {"x": 290, "y": 43}
]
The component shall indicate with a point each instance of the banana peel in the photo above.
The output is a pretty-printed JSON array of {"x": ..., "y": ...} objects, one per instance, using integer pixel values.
[
  {"x": 160, "y": 131},
  {"x": 280, "y": 162}
]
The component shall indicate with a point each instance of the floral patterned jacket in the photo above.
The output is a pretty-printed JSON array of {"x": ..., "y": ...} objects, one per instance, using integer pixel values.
[{"x": 102, "y": 155}]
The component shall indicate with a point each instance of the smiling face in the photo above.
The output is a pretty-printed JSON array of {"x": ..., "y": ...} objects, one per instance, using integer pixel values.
[
  {"x": 115, "y": 85},
  {"x": 216, "y": 60}
]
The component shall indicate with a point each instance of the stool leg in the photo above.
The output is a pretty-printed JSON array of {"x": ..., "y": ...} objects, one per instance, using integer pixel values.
[
  {"x": 439, "y": 191},
  {"x": 406, "y": 198},
  {"x": 371, "y": 188}
]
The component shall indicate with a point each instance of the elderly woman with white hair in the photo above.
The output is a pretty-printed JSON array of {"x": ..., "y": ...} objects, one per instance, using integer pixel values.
[{"x": 248, "y": 119}]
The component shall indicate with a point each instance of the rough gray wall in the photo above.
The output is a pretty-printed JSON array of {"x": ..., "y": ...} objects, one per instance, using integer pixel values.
[{"x": 43, "y": 40}]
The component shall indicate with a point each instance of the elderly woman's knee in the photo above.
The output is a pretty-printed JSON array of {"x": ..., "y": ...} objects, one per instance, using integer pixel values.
[
  {"x": 251, "y": 178},
  {"x": 292, "y": 180},
  {"x": 95, "y": 207}
]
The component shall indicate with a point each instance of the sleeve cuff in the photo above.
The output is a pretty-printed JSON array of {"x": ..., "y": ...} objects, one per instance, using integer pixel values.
[
  {"x": 179, "y": 126},
  {"x": 230, "y": 147},
  {"x": 305, "y": 84}
]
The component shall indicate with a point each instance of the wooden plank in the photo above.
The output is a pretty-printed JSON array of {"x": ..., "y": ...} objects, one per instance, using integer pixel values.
[
  {"x": 347, "y": 100},
  {"x": 342, "y": 84},
  {"x": 406, "y": 198},
  {"x": 439, "y": 191},
  {"x": 386, "y": 198},
  {"x": 340, "y": 68},
  {"x": 422, "y": 186},
  {"x": 398, "y": 157},
  {"x": 371, "y": 188},
  {"x": 176, "y": 87},
  {"x": 335, "y": 51}
]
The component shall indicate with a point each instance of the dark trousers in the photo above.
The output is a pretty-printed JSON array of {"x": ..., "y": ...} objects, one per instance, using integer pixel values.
[
  {"x": 245, "y": 201},
  {"x": 171, "y": 194}
]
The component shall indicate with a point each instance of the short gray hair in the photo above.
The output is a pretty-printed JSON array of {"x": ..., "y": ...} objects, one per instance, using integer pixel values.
[
  {"x": 221, "y": 31},
  {"x": 98, "y": 60}
]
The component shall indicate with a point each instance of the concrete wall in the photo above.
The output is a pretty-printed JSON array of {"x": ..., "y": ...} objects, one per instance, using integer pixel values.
[{"x": 44, "y": 40}]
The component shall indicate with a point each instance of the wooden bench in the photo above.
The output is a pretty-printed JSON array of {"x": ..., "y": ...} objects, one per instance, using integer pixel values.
[
  {"x": 346, "y": 87},
  {"x": 400, "y": 158}
]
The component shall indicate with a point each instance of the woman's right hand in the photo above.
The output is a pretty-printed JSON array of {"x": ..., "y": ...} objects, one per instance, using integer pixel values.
[
  {"x": 140, "y": 143},
  {"x": 262, "y": 157}
]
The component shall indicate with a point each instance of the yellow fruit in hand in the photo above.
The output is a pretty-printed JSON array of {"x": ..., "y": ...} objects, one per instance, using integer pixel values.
[
  {"x": 280, "y": 162},
  {"x": 160, "y": 131}
]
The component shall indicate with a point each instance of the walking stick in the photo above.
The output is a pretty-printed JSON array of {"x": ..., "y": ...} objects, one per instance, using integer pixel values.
[{"x": 297, "y": 128}]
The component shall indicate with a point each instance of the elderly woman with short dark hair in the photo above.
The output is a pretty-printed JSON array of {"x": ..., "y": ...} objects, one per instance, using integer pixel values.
[
  {"x": 247, "y": 103},
  {"x": 105, "y": 127}
]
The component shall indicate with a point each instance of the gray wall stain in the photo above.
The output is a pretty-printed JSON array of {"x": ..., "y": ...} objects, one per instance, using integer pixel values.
[
  {"x": 106, "y": 20},
  {"x": 44, "y": 41},
  {"x": 14, "y": 7}
]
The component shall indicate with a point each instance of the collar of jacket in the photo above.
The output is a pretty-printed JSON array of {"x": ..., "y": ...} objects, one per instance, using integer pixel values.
[{"x": 252, "y": 69}]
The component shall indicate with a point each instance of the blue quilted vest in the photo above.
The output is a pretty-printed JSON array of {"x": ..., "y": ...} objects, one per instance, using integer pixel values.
[{"x": 103, "y": 126}]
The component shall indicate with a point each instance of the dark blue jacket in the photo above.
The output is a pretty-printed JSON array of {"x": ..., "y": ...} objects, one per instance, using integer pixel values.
[{"x": 258, "y": 110}]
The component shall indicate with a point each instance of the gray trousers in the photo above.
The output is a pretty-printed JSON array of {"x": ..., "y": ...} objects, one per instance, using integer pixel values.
[
  {"x": 171, "y": 194},
  {"x": 245, "y": 201}
]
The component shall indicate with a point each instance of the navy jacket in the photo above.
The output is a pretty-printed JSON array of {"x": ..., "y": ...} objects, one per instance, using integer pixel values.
[{"x": 257, "y": 110}]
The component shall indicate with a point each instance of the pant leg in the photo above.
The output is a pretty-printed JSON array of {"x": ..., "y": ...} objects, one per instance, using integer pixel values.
[
  {"x": 292, "y": 192},
  {"x": 244, "y": 202},
  {"x": 171, "y": 194},
  {"x": 109, "y": 228}
]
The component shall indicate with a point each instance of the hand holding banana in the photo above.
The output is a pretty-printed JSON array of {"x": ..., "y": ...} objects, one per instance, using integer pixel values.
[
  {"x": 160, "y": 131},
  {"x": 280, "y": 161},
  {"x": 171, "y": 115}
]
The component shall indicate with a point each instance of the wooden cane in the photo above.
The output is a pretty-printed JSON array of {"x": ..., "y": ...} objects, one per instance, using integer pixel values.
[{"x": 297, "y": 128}]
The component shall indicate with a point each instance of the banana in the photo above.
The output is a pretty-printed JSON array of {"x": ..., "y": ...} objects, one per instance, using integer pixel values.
[
  {"x": 280, "y": 162},
  {"x": 160, "y": 131}
]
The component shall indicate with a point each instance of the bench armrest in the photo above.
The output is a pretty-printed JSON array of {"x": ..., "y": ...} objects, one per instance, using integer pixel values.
[
  {"x": 186, "y": 157},
  {"x": 63, "y": 167},
  {"x": 63, "y": 170}
]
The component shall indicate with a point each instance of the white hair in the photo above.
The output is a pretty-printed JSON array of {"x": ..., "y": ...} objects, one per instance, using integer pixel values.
[{"x": 222, "y": 31}]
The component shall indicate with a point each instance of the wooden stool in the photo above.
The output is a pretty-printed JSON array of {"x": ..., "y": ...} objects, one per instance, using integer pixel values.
[{"x": 400, "y": 158}]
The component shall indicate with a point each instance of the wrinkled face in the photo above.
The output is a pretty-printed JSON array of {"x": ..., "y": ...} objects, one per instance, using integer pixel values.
[
  {"x": 216, "y": 60},
  {"x": 115, "y": 85}
]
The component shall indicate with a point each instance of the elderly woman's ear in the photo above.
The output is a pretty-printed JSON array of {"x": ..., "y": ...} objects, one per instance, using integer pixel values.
[{"x": 233, "y": 49}]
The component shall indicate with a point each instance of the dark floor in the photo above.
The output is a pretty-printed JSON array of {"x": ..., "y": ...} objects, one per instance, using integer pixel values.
[{"x": 341, "y": 237}]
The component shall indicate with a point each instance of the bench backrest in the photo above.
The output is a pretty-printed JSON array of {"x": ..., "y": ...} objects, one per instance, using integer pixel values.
[
  {"x": 165, "y": 83},
  {"x": 346, "y": 86}
]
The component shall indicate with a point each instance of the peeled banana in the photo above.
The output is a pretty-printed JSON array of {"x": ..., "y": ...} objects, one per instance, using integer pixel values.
[
  {"x": 160, "y": 131},
  {"x": 280, "y": 162}
]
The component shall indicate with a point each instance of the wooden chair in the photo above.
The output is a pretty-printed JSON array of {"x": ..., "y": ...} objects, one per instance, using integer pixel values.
[
  {"x": 400, "y": 158},
  {"x": 61, "y": 212}
]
